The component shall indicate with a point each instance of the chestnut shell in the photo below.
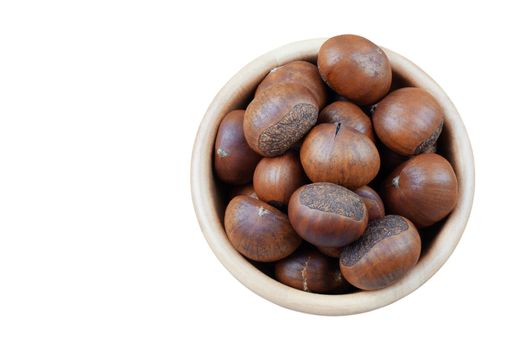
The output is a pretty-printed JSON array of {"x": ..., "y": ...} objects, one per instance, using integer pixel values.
[
  {"x": 424, "y": 189},
  {"x": 327, "y": 215},
  {"x": 234, "y": 160},
  {"x": 388, "y": 249},
  {"x": 259, "y": 231},
  {"x": 336, "y": 153}
]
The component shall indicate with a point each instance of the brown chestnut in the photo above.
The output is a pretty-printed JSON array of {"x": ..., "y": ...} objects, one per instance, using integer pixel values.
[
  {"x": 408, "y": 121},
  {"x": 234, "y": 160},
  {"x": 374, "y": 204},
  {"x": 327, "y": 215},
  {"x": 275, "y": 179},
  {"x": 244, "y": 189},
  {"x": 278, "y": 117},
  {"x": 259, "y": 231},
  {"x": 310, "y": 271},
  {"x": 388, "y": 249},
  {"x": 423, "y": 189},
  {"x": 333, "y": 252},
  {"x": 355, "y": 68},
  {"x": 297, "y": 72},
  {"x": 336, "y": 153},
  {"x": 348, "y": 114}
]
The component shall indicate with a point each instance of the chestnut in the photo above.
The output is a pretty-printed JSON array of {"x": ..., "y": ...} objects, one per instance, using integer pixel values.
[
  {"x": 374, "y": 204},
  {"x": 423, "y": 189},
  {"x": 297, "y": 72},
  {"x": 275, "y": 179},
  {"x": 333, "y": 252},
  {"x": 327, "y": 215},
  {"x": 337, "y": 153},
  {"x": 310, "y": 271},
  {"x": 234, "y": 160},
  {"x": 259, "y": 231},
  {"x": 408, "y": 121},
  {"x": 348, "y": 114},
  {"x": 278, "y": 117},
  {"x": 355, "y": 68},
  {"x": 388, "y": 249},
  {"x": 244, "y": 189}
]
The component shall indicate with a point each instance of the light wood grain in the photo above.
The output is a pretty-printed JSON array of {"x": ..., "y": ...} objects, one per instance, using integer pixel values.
[{"x": 209, "y": 207}]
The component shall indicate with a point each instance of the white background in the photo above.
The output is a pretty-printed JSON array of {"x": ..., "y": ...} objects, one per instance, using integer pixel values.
[{"x": 99, "y": 104}]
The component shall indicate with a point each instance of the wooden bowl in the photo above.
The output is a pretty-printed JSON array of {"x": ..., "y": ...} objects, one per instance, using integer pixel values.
[{"x": 209, "y": 202}]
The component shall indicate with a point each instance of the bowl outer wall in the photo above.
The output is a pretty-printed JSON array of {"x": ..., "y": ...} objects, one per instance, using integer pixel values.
[{"x": 209, "y": 207}]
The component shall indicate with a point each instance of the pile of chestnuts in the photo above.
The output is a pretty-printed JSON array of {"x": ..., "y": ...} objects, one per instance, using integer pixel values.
[{"x": 333, "y": 175}]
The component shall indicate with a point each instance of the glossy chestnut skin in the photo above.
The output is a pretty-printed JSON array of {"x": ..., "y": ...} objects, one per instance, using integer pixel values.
[
  {"x": 408, "y": 121},
  {"x": 374, "y": 204},
  {"x": 424, "y": 189},
  {"x": 388, "y": 249},
  {"x": 348, "y": 114},
  {"x": 234, "y": 160},
  {"x": 247, "y": 190},
  {"x": 338, "y": 154},
  {"x": 297, "y": 72},
  {"x": 278, "y": 117},
  {"x": 355, "y": 68},
  {"x": 259, "y": 231},
  {"x": 275, "y": 179},
  {"x": 327, "y": 215},
  {"x": 310, "y": 271}
]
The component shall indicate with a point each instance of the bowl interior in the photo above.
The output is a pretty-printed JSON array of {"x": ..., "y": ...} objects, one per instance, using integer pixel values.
[{"x": 210, "y": 196}]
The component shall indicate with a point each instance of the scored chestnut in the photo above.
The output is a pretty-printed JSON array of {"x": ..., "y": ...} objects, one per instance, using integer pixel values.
[
  {"x": 297, "y": 72},
  {"x": 408, "y": 121},
  {"x": 259, "y": 231},
  {"x": 327, "y": 215},
  {"x": 337, "y": 153},
  {"x": 423, "y": 189},
  {"x": 374, "y": 204},
  {"x": 348, "y": 114},
  {"x": 388, "y": 249},
  {"x": 275, "y": 179},
  {"x": 310, "y": 271},
  {"x": 234, "y": 160},
  {"x": 278, "y": 117},
  {"x": 355, "y": 68}
]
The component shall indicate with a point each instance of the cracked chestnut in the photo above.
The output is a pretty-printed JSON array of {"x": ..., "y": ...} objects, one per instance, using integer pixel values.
[
  {"x": 348, "y": 114},
  {"x": 337, "y": 153},
  {"x": 259, "y": 231},
  {"x": 327, "y": 215},
  {"x": 388, "y": 249}
]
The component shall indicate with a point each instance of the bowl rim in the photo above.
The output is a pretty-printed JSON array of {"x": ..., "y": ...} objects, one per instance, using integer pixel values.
[{"x": 207, "y": 205}]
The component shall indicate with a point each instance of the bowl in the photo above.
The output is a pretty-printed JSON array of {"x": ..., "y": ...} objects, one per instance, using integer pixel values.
[{"x": 209, "y": 203}]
